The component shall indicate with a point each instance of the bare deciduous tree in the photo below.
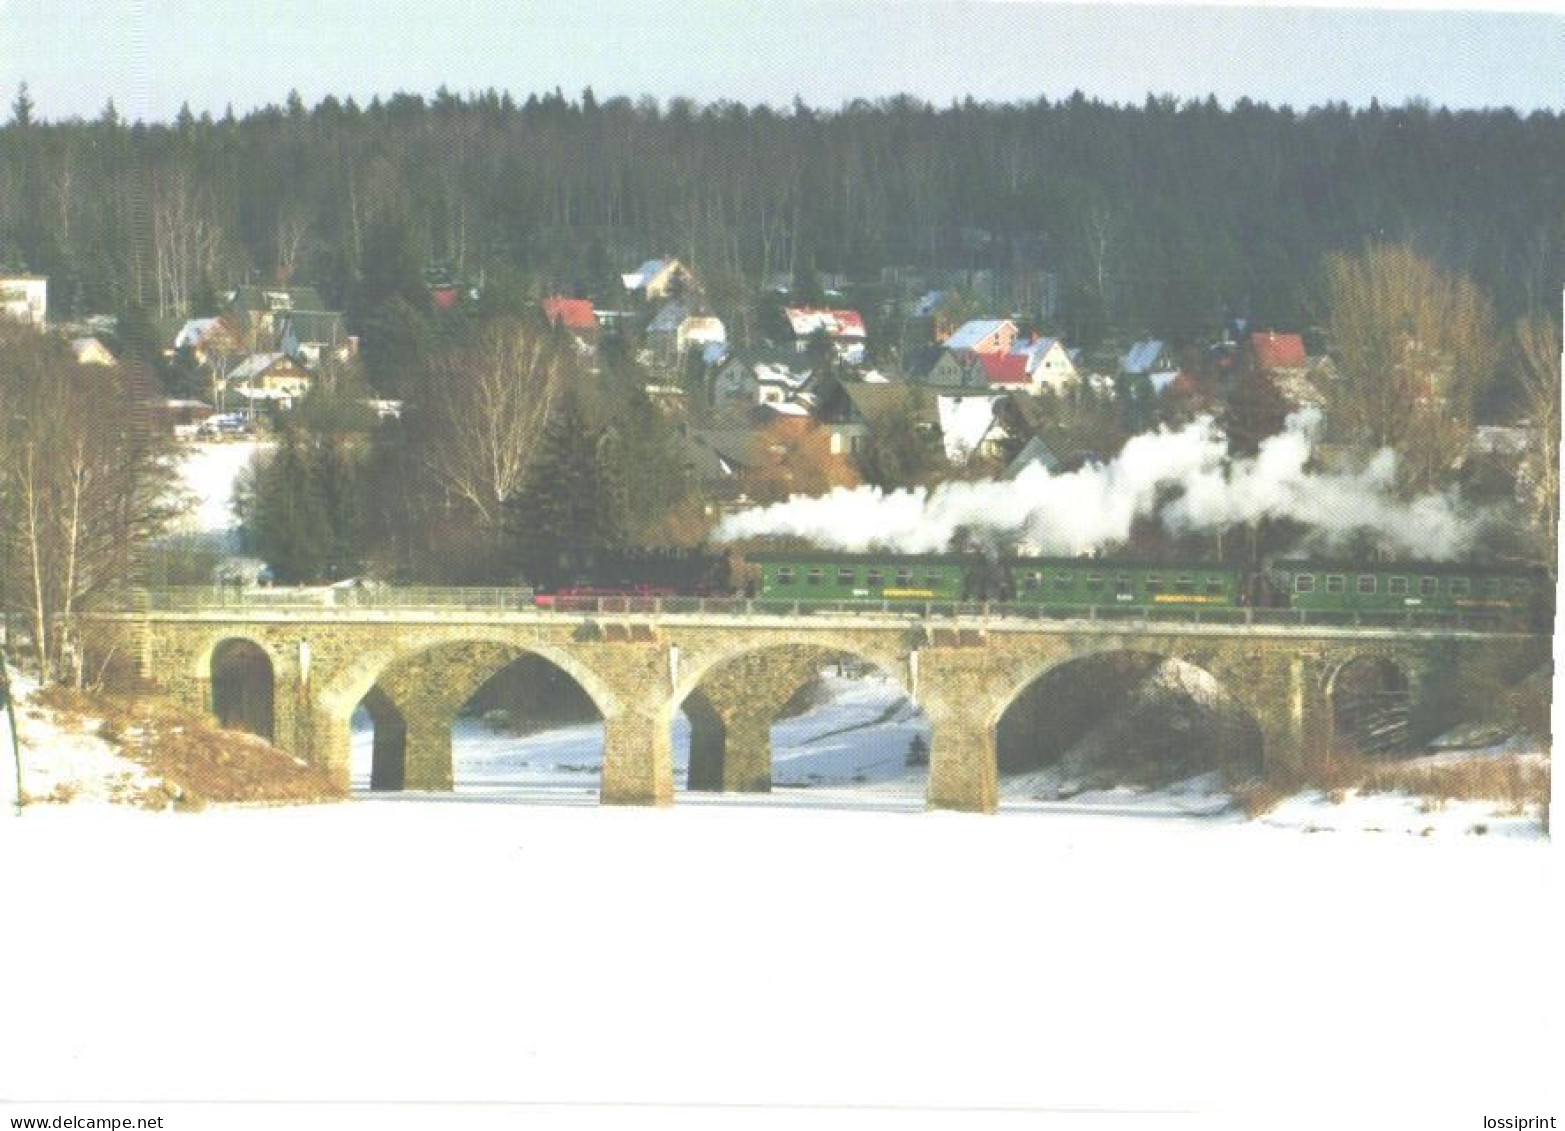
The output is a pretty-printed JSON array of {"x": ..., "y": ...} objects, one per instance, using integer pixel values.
[
  {"x": 1538, "y": 355},
  {"x": 85, "y": 480},
  {"x": 1415, "y": 345},
  {"x": 486, "y": 408}
]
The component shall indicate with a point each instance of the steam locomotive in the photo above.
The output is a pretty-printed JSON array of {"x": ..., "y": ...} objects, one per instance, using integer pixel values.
[{"x": 814, "y": 578}]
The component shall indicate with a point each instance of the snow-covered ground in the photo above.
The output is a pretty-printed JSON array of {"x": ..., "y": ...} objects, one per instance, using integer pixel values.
[
  {"x": 208, "y": 470},
  {"x": 61, "y": 763},
  {"x": 719, "y": 954},
  {"x": 794, "y": 956}
]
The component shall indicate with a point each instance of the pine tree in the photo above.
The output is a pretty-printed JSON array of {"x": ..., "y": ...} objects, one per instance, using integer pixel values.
[
  {"x": 574, "y": 498},
  {"x": 22, "y": 108},
  {"x": 288, "y": 525}
]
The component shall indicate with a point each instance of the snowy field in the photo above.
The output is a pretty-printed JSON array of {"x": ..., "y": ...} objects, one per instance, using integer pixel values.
[
  {"x": 783, "y": 952},
  {"x": 727, "y": 955},
  {"x": 207, "y": 471}
]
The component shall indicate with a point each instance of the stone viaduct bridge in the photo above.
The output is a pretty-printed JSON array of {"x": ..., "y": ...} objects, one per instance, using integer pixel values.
[{"x": 413, "y": 661}]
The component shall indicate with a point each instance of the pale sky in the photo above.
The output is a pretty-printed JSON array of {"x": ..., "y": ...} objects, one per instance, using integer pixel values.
[{"x": 151, "y": 55}]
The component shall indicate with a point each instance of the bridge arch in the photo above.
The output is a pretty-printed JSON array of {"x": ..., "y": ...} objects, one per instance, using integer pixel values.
[
  {"x": 348, "y": 688},
  {"x": 243, "y": 681},
  {"x": 417, "y": 697},
  {"x": 1370, "y": 693},
  {"x": 750, "y": 720},
  {"x": 1126, "y": 712},
  {"x": 696, "y": 664}
]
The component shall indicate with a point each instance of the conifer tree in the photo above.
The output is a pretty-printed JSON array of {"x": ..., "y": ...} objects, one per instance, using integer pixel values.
[{"x": 574, "y": 498}]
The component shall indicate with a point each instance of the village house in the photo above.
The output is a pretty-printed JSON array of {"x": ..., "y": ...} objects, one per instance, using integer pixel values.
[
  {"x": 205, "y": 339},
  {"x": 90, "y": 351},
  {"x": 844, "y": 328},
  {"x": 574, "y": 314},
  {"x": 983, "y": 336},
  {"x": 1048, "y": 364},
  {"x": 1146, "y": 357},
  {"x": 658, "y": 279},
  {"x": 847, "y": 410},
  {"x": 765, "y": 377},
  {"x": 1284, "y": 361},
  {"x": 699, "y": 331},
  {"x": 274, "y": 377},
  {"x": 969, "y": 428},
  {"x": 308, "y": 336},
  {"x": 25, "y": 298},
  {"x": 258, "y": 312},
  {"x": 951, "y": 371}
]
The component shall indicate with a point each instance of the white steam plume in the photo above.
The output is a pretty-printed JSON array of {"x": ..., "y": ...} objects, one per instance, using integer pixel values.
[{"x": 1185, "y": 478}]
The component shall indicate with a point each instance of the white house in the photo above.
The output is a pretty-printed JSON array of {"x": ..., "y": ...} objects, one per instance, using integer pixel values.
[
  {"x": 24, "y": 298},
  {"x": 968, "y": 427},
  {"x": 1049, "y": 365}
]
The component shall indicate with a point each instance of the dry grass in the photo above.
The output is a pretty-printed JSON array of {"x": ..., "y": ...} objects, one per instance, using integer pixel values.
[
  {"x": 1520, "y": 782},
  {"x": 199, "y": 762}
]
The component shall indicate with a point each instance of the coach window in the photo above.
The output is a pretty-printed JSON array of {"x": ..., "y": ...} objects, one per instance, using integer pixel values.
[
  {"x": 1063, "y": 582},
  {"x": 904, "y": 577},
  {"x": 1428, "y": 586},
  {"x": 1122, "y": 585},
  {"x": 1459, "y": 587},
  {"x": 1336, "y": 583},
  {"x": 785, "y": 575},
  {"x": 1304, "y": 583},
  {"x": 1396, "y": 586},
  {"x": 815, "y": 576},
  {"x": 1366, "y": 583},
  {"x": 1093, "y": 584},
  {"x": 1032, "y": 580},
  {"x": 1184, "y": 585},
  {"x": 846, "y": 579},
  {"x": 1491, "y": 587},
  {"x": 1214, "y": 587},
  {"x": 1154, "y": 583},
  {"x": 933, "y": 581},
  {"x": 875, "y": 579}
]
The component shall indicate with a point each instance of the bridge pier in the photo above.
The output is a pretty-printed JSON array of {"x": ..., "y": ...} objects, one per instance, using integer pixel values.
[
  {"x": 732, "y": 713},
  {"x": 957, "y": 691},
  {"x": 638, "y": 759}
]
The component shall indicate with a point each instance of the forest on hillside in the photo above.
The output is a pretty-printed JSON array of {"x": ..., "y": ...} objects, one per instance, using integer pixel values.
[{"x": 1167, "y": 217}]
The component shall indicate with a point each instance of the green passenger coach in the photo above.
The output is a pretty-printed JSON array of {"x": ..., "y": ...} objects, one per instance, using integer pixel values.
[
  {"x": 822, "y": 576},
  {"x": 1397, "y": 587},
  {"x": 1093, "y": 581}
]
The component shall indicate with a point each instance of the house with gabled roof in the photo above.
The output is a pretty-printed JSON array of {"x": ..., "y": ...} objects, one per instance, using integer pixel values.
[
  {"x": 90, "y": 351},
  {"x": 847, "y": 409},
  {"x": 574, "y": 314},
  {"x": 844, "y": 328},
  {"x": 1146, "y": 357},
  {"x": 270, "y": 376},
  {"x": 258, "y": 312},
  {"x": 1048, "y": 363},
  {"x": 969, "y": 427},
  {"x": 959, "y": 370},
  {"x": 983, "y": 336},
  {"x": 311, "y": 335},
  {"x": 1003, "y": 370},
  {"x": 658, "y": 278},
  {"x": 767, "y": 377}
]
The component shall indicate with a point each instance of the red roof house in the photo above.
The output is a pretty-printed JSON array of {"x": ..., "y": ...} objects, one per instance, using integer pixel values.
[
  {"x": 1004, "y": 368},
  {"x": 1278, "y": 351},
  {"x": 573, "y": 313}
]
